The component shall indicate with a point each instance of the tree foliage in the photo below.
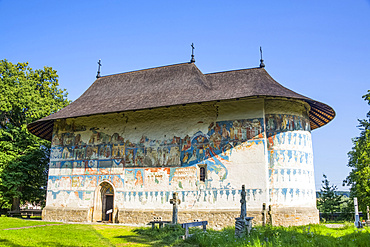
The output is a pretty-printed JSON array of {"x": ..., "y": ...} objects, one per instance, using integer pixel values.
[
  {"x": 328, "y": 201},
  {"x": 359, "y": 161},
  {"x": 25, "y": 96}
]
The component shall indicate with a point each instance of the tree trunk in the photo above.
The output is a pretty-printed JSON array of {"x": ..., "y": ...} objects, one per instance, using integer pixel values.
[{"x": 16, "y": 204}]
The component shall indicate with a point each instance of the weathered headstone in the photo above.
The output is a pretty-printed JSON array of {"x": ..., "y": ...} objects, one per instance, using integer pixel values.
[
  {"x": 264, "y": 214},
  {"x": 175, "y": 201},
  {"x": 271, "y": 215},
  {"x": 243, "y": 224},
  {"x": 357, "y": 216}
]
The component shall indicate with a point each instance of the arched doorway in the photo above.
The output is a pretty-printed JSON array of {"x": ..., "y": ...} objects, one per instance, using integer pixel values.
[{"x": 104, "y": 202}]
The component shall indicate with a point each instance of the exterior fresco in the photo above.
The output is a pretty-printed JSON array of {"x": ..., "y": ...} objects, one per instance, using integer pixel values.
[
  {"x": 290, "y": 159},
  {"x": 138, "y": 169},
  {"x": 146, "y": 156}
]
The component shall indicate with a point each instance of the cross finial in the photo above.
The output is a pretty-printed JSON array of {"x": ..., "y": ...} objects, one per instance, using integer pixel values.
[
  {"x": 262, "y": 65},
  {"x": 192, "y": 60},
  {"x": 98, "y": 74}
]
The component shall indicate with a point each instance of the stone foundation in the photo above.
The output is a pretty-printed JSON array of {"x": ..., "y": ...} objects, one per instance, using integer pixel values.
[
  {"x": 223, "y": 218},
  {"x": 65, "y": 214},
  {"x": 295, "y": 216},
  {"x": 215, "y": 218}
]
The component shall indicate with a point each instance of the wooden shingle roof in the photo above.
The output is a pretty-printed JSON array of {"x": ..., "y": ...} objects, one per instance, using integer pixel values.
[{"x": 175, "y": 85}]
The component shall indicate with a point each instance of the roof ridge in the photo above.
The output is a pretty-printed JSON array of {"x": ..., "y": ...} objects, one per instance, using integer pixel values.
[
  {"x": 141, "y": 70},
  {"x": 232, "y": 71}
]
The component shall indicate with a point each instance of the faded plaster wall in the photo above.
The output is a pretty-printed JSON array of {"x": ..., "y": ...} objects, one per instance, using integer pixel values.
[
  {"x": 291, "y": 171},
  {"x": 147, "y": 155}
]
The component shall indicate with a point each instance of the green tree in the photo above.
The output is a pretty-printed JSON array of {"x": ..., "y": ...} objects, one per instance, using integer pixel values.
[
  {"x": 359, "y": 161},
  {"x": 25, "y": 96},
  {"x": 329, "y": 201}
]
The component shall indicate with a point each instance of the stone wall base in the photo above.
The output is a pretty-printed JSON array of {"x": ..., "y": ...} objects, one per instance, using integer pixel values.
[
  {"x": 223, "y": 218},
  {"x": 65, "y": 214},
  {"x": 216, "y": 218}
]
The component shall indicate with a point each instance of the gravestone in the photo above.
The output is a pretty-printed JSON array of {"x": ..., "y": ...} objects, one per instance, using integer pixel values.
[
  {"x": 175, "y": 201},
  {"x": 243, "y": 224},
  {"x": 357, "y": 216}
]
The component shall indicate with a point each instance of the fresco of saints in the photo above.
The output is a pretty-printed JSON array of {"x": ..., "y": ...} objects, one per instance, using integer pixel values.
[
  {"x": 92, "y": 152},
  {"x": 139, "y": 179},
  {"x": 139, "y": 159},
  {"x": 68, "y": 139},
  {"x": 174, "y": 156},
  {"x": 67, "y": 153},
  {"x": 130, "y": 157},
  {"x": 117, "y": 182},
  {"x": 57, "y": 140},
  {"x": 215, "y": 140},
  {"x": 193, "y": 157},
  {"x": 225, "y": 132},
  {"x": 271, "y": 123},
  {"x": 91, "y": 167},
  {"x": 187, "y": 143}
]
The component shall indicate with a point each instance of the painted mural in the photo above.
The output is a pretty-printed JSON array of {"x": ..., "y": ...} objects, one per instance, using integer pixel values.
[
  {"x": 146, "y": 172},
  {"x": 290, "y": 160},
  {"x": 144, "y": 169}
]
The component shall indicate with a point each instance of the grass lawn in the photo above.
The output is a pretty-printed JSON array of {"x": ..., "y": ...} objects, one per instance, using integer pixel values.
[
  {"x": 113, "y": 235},
  {"x": 58, "y": 234}
]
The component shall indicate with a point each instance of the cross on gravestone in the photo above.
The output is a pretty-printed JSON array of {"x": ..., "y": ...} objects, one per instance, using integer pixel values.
[
  {"x": 243, "y": 202},
  {"x": 243, "y": 224},
  {"x": 175, "y": 201}
]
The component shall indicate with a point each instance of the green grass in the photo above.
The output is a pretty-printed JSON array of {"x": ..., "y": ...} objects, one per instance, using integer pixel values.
[
  {"x": 68, "y": 234},
  {"x": 313, "y": 235},
  {"x": 113, "y": 235},
  {"x": 126, "y": 236},
  {"x": 14, "y": 222}
]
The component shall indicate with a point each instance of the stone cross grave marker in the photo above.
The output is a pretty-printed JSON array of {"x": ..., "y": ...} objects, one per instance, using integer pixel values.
[
  {"x": 175, "y": 201},
  {"x": 243, "y": 202},
  {"x": 243, "y": 224}
]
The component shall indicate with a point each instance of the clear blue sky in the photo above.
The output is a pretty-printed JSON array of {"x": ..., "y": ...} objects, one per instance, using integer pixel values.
[{"x": 320, "y": 49}]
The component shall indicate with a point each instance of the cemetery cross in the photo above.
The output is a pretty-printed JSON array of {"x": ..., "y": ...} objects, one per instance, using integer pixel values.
[{"x": 175, "y": 202}]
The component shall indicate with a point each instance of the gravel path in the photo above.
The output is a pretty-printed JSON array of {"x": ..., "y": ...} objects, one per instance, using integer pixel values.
[
  {"x": 334, "y": 225},
  {"x": 25, "y": 227}
]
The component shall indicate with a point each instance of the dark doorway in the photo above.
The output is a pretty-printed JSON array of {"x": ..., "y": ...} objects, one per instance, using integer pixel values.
[{"x": 108, "y": 207}]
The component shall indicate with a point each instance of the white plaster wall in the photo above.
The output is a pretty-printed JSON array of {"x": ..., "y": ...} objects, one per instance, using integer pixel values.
[
  {"x": 291, "y": 172},
  {"x": 73, "y": 180}
]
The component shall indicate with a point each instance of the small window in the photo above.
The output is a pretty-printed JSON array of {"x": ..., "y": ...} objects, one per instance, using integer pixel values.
[{"x": 202, "y": 173}]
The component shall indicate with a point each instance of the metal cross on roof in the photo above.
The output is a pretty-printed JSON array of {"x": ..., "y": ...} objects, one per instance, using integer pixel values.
[
  {"x": 262, "y": 65},
  {"x": 192, "y": 53},
  {"x": 98, "y": 74}
]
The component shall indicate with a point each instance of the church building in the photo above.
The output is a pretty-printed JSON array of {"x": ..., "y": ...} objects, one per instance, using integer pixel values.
[{"x": 132, "y": 139}]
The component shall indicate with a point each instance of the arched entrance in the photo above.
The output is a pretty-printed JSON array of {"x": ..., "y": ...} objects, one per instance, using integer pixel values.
[{"x": 104, "y": 202}]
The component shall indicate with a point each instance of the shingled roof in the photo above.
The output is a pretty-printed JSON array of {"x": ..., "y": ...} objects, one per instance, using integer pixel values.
[{"x": 175, "y": 85}]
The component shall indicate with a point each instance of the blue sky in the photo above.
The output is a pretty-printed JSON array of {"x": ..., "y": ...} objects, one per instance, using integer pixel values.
[{"x": 317, "y": 48}]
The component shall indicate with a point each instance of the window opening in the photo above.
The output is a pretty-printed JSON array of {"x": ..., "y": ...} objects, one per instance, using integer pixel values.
[{"x": 202, "y": 173}]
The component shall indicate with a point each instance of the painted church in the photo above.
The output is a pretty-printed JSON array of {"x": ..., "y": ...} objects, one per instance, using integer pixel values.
[{"x": 132, "y": 139}]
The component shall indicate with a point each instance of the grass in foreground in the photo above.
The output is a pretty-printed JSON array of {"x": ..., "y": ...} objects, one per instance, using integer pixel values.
[
  {"x": 313, "y": 235},
  {"x": 112, "y": 235},
  {"x": 68, "y": 234},
  {"x": 14, "y": 222}
]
